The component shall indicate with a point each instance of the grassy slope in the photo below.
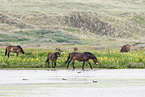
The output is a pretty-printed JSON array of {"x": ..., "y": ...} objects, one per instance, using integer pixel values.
[{"x": 112, "y": 21}]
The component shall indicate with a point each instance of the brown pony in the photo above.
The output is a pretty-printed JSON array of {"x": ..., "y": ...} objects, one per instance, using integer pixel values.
[
  {"x": 125, "y": 48},
  {"x": 53, "y": 57},
  {"x": 75, "y": 49},
  {"x": 84, "y": 57},
  {"x": 58, "y": 50},
  {"x": 70, "y": 57},
  {"x": 15, "y": 49}
]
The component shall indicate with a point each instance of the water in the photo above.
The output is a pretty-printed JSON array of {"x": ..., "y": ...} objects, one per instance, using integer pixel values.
[{"x": 69, "y": 83}]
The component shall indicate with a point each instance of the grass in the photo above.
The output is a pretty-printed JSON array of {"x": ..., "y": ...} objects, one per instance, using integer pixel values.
[
  {"x": 40, "y": 37},
  {"x": 35, "y": 58},
  {"x": 111, "y": 18}
]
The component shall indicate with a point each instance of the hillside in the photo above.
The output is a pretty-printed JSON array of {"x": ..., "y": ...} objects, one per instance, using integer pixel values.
[{"x": 79, "y": 22}]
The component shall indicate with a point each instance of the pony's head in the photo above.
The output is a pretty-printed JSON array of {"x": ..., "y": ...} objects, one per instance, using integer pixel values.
[
  {"x": 57, "y": 54},
  {"x": 92, "y": 57},
  {"x": 95, "y": 61},
  {"x": 21, "y": 50}
]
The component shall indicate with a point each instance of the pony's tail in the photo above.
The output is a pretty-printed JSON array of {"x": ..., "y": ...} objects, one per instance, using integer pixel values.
[
  {"x": 67, "y": 59},
  {"x": 21, "y": 49},
  {"x": 6, "y": 51},
  {"x": 121, "y": 49}
]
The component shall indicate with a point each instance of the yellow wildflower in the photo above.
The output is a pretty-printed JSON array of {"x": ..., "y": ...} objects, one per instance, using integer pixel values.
[
  {"x": 32, "y": 59},
  {"x": 36, "y": 59}
]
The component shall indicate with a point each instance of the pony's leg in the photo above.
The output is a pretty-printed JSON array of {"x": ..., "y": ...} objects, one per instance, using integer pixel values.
[
  {"x": 68, "y": 63},
  {"x": 54, "y": 63},
  {"x": 73, "y": 64},
  {"x": 48, "y": 62},
  {"x": 90, "y": 65},
  {"x": 83, "y": 65},
  {"x": 17, "y": 54},
  {"x": 8, "y": 54}
]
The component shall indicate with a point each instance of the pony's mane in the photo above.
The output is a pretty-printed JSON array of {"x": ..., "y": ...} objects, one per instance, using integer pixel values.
[{"x": 88, "y": 53}]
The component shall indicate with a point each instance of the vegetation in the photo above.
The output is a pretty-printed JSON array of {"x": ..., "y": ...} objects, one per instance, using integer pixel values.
[
  {"x": 35, "y": 58},
  {"x": 122, "y": 20}
]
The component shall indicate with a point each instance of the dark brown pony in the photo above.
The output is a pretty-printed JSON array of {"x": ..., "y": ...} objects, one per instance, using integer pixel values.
[
  {"x": 84, "y": 57},
  {"x": 15, "y": 49},
  {"x": 75, "y": 49},
  {"x": 53, "y": 57},
  {"x": 125, "y": 48}
]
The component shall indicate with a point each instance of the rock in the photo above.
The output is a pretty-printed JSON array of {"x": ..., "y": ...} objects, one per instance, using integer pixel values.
[{"x": 94, "y": 81}]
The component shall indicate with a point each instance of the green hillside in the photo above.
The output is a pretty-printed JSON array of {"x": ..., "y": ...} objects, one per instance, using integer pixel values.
[{"x": 81, "y": 22}]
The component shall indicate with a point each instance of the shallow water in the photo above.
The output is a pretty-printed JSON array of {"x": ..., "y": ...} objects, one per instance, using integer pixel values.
[{"x": 69, "y": 83}]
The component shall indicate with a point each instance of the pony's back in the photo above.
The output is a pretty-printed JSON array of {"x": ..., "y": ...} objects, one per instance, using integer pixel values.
[{"x": 88, "y": 53}]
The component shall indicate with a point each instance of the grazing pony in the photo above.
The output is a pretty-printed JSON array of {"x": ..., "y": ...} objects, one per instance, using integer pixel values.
[
  {"x": 125, "y": 48},
  {"x": 84, "y": 57},
  {"x": 70, "y": 57},
  {"x": 15, "y": 49},
  {"x": 53, "y": 57},
  {"x": 75, "y": 49}
]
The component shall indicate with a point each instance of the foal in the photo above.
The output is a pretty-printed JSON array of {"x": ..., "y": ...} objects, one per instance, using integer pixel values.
[{"x": 53, "y": 57}]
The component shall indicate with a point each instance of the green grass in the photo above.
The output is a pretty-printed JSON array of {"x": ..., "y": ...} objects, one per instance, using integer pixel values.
[
  {"x": 40, "y": 37},
  {"x": 112, "y": 59}
]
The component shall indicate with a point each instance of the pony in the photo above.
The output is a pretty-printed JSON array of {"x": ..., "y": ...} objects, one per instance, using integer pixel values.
[
  {"x": 15, "y": 49},
  {"x": 125, "y": 48},
  {"x": 58, "y": 50},
  {"x": 86, "y": 56},
  {"x": 53, "y": 57},
  {"x": 75, "y": 49}
]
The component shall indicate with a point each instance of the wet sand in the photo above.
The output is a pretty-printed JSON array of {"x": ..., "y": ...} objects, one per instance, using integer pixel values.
[{"x": 73, "y": 83}]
